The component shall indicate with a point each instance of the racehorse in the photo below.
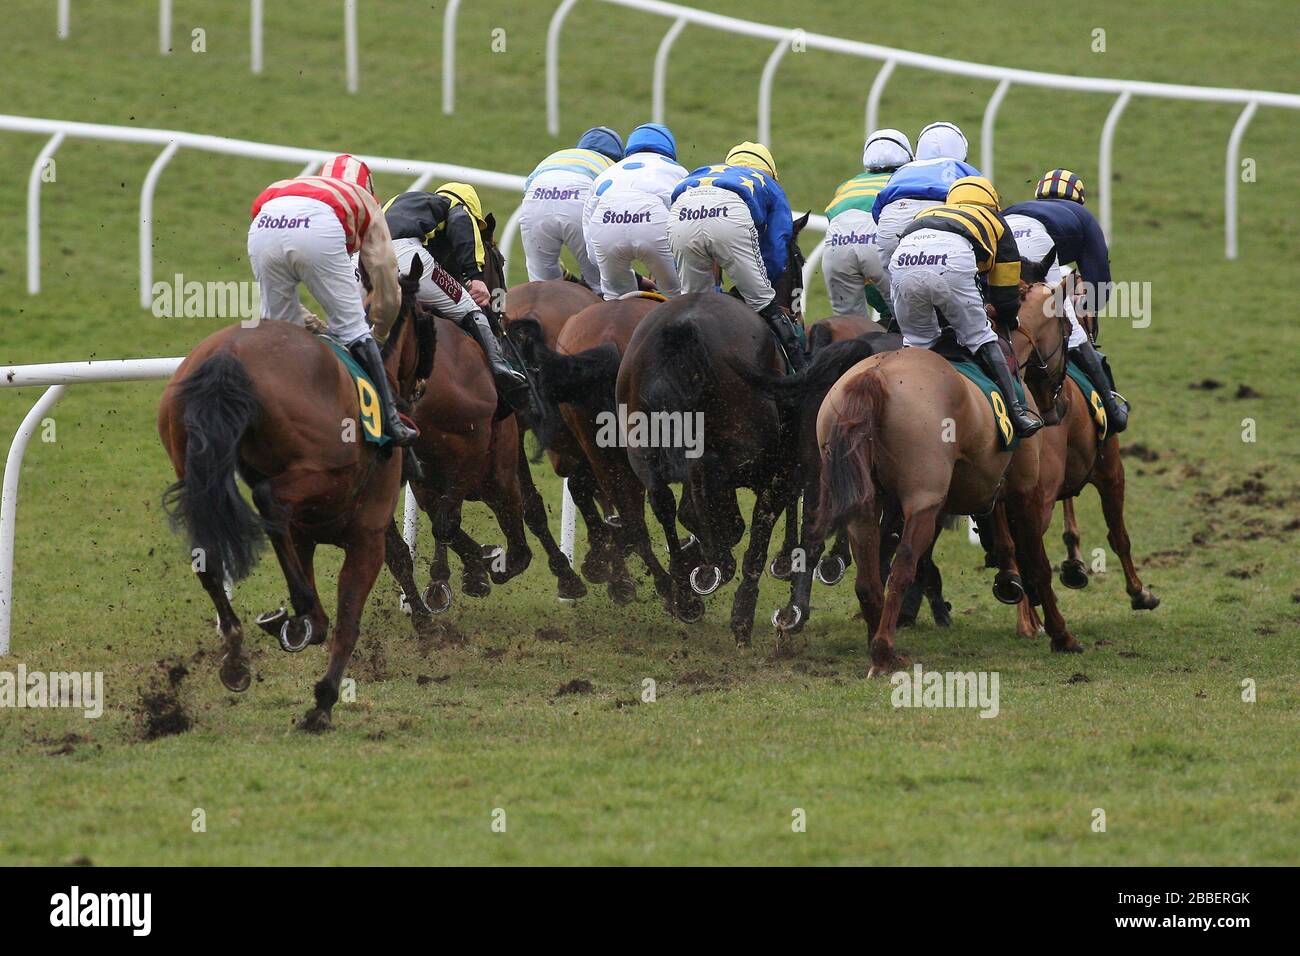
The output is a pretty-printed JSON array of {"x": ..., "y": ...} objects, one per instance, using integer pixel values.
[
  {"x": 905, "y": 429},
  {"x": 273, "y": 404},
  {"x": 1071, "y": 456},
  {"x": 680, "y": 372},
  {"x": 578, "y": 378},
  {"x": 469, "y": 453}
]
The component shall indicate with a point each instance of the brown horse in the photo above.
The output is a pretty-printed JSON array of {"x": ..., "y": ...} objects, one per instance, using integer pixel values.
[
  {"x": 468, "y": 453},
  {"x": 903, "y": 429},
  {"x": 274, "y": 405},
  {"x": 578, "y": 378}
]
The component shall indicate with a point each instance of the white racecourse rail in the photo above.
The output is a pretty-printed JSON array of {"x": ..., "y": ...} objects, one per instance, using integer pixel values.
[{"x": 889, "y": 58}]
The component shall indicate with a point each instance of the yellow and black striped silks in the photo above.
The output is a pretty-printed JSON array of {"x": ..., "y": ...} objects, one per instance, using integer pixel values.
[{"x": 996, "y": 254}]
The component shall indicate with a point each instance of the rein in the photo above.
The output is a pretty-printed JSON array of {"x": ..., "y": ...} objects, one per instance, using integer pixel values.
[{"x": 1041, "y": 365}]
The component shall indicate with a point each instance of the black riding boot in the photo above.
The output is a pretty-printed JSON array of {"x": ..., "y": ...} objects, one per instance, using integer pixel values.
[
  {"x": 1116, "y": 410},
  {"x": 994, "y": 362},
  {"x": 783, "y": 328},
  {"x": 366, "y": 352},
  {"x": 512, "y": 386}
]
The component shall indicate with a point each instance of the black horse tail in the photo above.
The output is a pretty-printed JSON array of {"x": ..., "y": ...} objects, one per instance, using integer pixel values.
[
  {"x": 829, "y": 363},
  {"x": 682, "y": 375},
  {"x": 219, "y": 407},
  {"x": 848, "y": 483},
  {"x": 587, "y": 378}
]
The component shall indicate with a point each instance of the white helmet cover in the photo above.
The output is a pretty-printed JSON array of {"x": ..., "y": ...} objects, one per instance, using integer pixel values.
[
  {"x": 886, "y": 149},
  {"x": 941, "y": 141}
]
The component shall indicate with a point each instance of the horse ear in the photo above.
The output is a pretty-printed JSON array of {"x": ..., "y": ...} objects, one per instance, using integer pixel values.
[
  {"x": 491, "y": 221},
  {"x": 416, "y": 272},
  {"x": 801, "y": 222}
]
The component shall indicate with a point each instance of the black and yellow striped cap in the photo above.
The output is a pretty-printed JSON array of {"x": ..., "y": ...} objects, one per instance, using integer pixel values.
[
  {"x": 1060, "y": 184},
  {"x": 975, "y": 190}
]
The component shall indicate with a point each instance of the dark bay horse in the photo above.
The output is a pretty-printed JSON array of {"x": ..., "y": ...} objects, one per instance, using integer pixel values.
[
  {"x": 578, "y": 377},
  {"x": 903, "y": 429},
  {"x": 273, "y": 405},
  {"x": 678, "y": 376}
]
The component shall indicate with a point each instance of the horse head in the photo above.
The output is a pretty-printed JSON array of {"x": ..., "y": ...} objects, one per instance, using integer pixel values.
[
  {"x": 789, "y": 287},
  {"x": 1041, "y": 337}
]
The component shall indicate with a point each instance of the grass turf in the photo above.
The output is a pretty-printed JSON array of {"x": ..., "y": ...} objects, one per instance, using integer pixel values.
[{"x": 441, "y": 736}]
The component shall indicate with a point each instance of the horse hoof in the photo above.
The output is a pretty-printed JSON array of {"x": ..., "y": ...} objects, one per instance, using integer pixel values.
[
  {"x": 1144, "y": 600},
  {"x": 437, "y": 597},
  {"x": 622, "y": 592},
  {"x": 490, "y": 551},
  {"x": 942, "y": 615},
  {"x": 315, "y": 721},
  {"x": 272, "y": 621},
  {"x": 235, "y": 675},
  {"x": 691, "y": 610},
  {"x": 906, "y": 620},
  {"x": 781, "y": 567},
  {"x": 830, "y": 570},
  {"x": 296, "y": 634},
  {"x": 702, "y": 585},
  {"x": 570, "y": 587},
  {"x": 787, "y": 618},
  {"x": 1071, "y": 646},
  {"x": 1007, "y": 588},
  {"x": 613, "y": 521},
  {"x": 476, "y": 588},
  {"x": 1074, "y": 574}
]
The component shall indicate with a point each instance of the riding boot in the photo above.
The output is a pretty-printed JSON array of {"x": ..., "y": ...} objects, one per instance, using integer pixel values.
[
  {"x": 994, "y": 362},
  {"x": 512, "y": 386},
  {"x": 366, "y": 351},
  {"x": 783, "y": 328},
  {"x": 1116, "y": 409}
]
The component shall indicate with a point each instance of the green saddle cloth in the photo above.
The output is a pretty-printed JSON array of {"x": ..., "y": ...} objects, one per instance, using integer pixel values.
[
  {"x": 993, "y": 395},
  {"x": 1093, "y": 396},
  {"x": 372, "y": 410}
]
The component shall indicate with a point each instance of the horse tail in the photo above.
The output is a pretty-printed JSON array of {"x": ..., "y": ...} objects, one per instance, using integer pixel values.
[
  {"x": 587, "y": 378},
  {"x": 826, "y": 367},
  {"x": 220, "y": 406},
  {"x": 848, "y": 456},
  {"x": 681, "y": 377}
]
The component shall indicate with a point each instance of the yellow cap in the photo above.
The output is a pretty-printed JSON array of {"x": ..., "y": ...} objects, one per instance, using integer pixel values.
[
  {"x": 975, "y": 190},
  {"x": 464, "y": 194},
  {"x": 755, "y": 156}
]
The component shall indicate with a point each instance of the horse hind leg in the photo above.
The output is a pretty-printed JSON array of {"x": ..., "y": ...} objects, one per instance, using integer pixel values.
[
  {"x": 309, "y": 623},
  {"x": 569, "y": 585},
  {"x": 1109, "y": 479},
  {"x": 1074, "y": 573},
  {"x": 766, "y": 511},
  {"x": 235, "y": 673},
  {"x": 683, "y": 603},
  {"x": 915, "y": 540},
  {"x": 361, "y": 563}
]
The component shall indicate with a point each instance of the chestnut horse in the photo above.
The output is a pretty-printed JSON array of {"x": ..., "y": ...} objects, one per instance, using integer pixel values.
[
  {"x": 882, "y": 431},
  {"x": 274, "y": 405}
]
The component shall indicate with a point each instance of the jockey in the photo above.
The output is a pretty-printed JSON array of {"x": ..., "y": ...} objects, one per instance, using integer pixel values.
[
  {"x": 554, "y": 196},
  {"x": 305, "y": 230},
  {"x": 924, "y": 182},
  {"x": 1057, "y": 217},
  {"x": 444, "y": 227},
  {"x": 736, "y": 215},
  {"x": 626, "y": 213},
  {"x": 937, "y": 265},
  {"x": 851, "y": 263}
]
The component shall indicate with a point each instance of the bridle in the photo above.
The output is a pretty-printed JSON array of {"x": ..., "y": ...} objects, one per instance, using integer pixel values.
[{"x": 1038, "y": 362}]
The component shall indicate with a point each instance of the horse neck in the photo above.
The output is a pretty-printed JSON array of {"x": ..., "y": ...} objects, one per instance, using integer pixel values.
[
  {"x": 1034, "y": 320},
  {"x": 402, "y": 360}
]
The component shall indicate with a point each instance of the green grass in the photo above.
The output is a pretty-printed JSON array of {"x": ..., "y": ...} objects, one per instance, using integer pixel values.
[{"x": 440, "y": 736}]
